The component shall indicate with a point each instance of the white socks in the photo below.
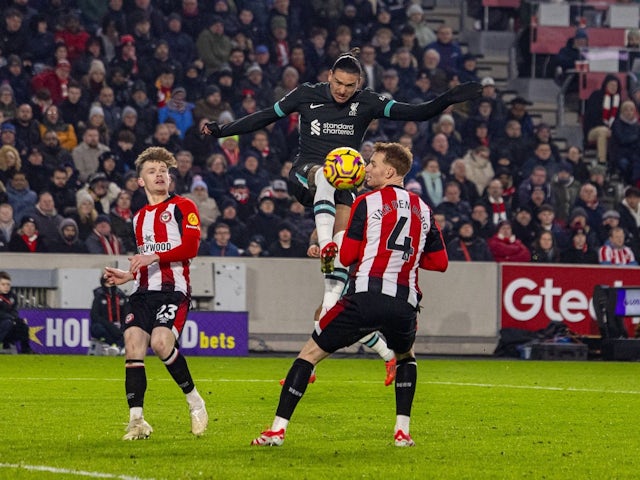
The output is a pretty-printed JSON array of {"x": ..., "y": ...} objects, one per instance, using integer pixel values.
[
  {"x": 378, "y": 345},
  {"x": 402, "y": 423},
  {"x": 324, "y": 209},
  {"x": 279, "y": 423}
]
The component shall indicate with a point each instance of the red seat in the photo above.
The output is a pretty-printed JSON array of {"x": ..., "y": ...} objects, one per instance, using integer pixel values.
[
  {"x": 501, "y": 3},
  {"x": 549, "y": 40}
]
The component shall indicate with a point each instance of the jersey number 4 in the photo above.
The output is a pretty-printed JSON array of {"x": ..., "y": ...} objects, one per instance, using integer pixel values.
[{"x": 404, "y": 247}]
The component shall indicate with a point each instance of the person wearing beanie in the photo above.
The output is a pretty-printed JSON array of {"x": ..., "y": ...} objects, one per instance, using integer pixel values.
[
  {"x": 229, "y": 215},
  {"x": 102, "y": 240},
  {"x": 68, "y": 240},
  {"x": 287, "y": 246},
  {"x": 26, "y": 239},
  {"x": 256, "y": 248},
  {"x": 467, "y": 246},
  {"x": 179, "y": 110},
  {"x": 207, "y": 206},
  {"x": 579, "y": 251},
  {"x": 211, "y": 105}
]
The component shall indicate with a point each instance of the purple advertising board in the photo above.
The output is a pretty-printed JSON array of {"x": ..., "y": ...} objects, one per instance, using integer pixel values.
[{"x": 65, "y": 331}]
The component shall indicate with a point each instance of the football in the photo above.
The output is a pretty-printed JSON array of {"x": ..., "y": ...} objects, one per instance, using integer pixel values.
[{"x": 344, "y": 168}]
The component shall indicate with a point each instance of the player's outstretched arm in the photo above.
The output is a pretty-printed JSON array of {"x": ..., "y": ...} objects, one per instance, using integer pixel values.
[
  {"x": 425, "y": 111},
  {"x": 249, "y": 123}
]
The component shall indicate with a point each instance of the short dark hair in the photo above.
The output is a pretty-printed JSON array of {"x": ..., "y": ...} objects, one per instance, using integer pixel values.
[
  {"x": 4, "y": 275},
  {"x": 348, "y": 62}
]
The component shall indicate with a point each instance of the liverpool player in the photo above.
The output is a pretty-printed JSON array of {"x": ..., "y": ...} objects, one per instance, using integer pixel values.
[
  {"x": 337, "y": 114},
  {"x": 390, "y": 234},
  {"x": 167, "y": 234}
]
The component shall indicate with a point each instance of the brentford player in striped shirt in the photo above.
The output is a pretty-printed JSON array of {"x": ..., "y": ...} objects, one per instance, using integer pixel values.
[
  {"x": 390, "y": 235},
  {"x": 167, "y": 234}
]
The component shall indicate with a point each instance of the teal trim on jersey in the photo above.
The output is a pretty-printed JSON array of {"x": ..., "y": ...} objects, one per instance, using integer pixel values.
[
  {"x": 324, "y": 208},
  {"x": 387, "y": 109},
  {"x": 278, "y": 110},
  {"x": 302, "y": 180}
]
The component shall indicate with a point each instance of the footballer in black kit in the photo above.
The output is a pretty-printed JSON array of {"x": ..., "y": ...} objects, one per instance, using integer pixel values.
[{"x": 326, "y": 124}]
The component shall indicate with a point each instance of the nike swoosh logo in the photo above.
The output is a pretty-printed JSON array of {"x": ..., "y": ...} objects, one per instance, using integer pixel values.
[{"x": 316, "y": 105}]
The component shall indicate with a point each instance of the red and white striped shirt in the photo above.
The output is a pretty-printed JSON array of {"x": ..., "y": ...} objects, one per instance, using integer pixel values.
[
  {"x": 609, "y": 255},
  {"x": 171, "y": 230},
  {"x": 389, "y": 236}
]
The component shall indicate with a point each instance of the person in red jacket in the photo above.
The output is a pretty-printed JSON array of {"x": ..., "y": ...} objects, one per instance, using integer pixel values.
[
  {"x": 505, "y": 247},
  {"x": 55, "y": 81},
  {"x": 73, "y": 36}
]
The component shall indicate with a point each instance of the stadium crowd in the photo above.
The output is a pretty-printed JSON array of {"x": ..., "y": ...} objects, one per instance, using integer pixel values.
[{"x": 85, "y": 86}]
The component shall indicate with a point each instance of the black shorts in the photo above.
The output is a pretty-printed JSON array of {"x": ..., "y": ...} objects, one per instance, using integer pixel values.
[
  {"x": 299, "y": 186},
  {"x": 158, "y": 309},
  {"x": 357, "y": 315}
]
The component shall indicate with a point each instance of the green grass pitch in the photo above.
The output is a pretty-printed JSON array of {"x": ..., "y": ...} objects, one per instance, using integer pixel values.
[{"x": 62, "y": 417}]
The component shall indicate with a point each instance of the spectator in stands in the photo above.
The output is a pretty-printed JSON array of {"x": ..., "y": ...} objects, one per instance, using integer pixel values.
[
  {"x": 111, "y": 113},
  {"x": 102, "y": 240},
  {"x": 250, "y": 169},
  {"x": 512, "y": 145},
  {"x": 86, "y": 154},
  {"x": 121, "y": 217},
  {"x": 431, "y": 64},
  {"x": 542, "y": 156},
  {"x": 73, "y": 35},
  {"x": 220, "y": 245},
  {"x": 8, "y": 106},
  {"x": 441, "y": 149},
  {"x": 495, "y": 202},
  {"x": 518, "y": 111},
  {"x": 467, "y": 246},
  {"x": 265, "y": 221},
  {"x": 27, "y": 129},
  {"x": 113, "y": 23},
  {"x": 179, "y": 109},
  {"x": 144, "y": 38},
  {"x": 246, "y": 202},
  {"x": 448, "y": 48},
  {"x": 544, "y": 249},
  {"x": 537, "y": 178},
  {"x": 566, "y": 59},
  {"x": 580, "y": 169},
  {"x": 54, "y": 155},
  {"x": 478, "y": 167},
  {"x": 286, "y": 244},
  {"x": 107, "y": 164},
  {"x": 542, "y": 134},
  {"x": 482, "y": 225},
  {"x": 629, "y": 209},
  {"x": 601, "y": 109},
  {"x": 199, "y": 145},
  {"x": 85, "y": 215},
  {"x": 26, "y": 239},
  {"x": 468, "y": 71},
  {"x": 615, "y": 252},
  {"x": 21, "y": 197},
  {"x": 216, "y": 177},
  {"x": 416, "y": 19},
  {"x": 624, "y": 144},
  {"x": 10, "y": 162},
  {"x": 74, "y": 109},
  {"x": 64, "y": 195},
  {"x": 211, "y": 105},
  {"x": 447, "y": 126},
  {"x": 102, "y": 191},
  {"x": 545, "y": 221},
  {"x": 7, "y": 225},
  {"x": 183, "y": 172},
  {"x": 12, "y": 327},
  {"x": 52, "y": 121},
  {"x": 67, "y": 240},
  {"x": 15, "y": 35},
  {"x": 610, "y": 188},
  {"x": 564, "y": 191},
  {"x": 421, "y": 90},
  {"x": 523, "y": 226},
  {"x": 213, "y": 45},
  {"x": 41, "y": 43},
  {"x": 55, "y": 81},
  {"x": 579, "y": 252},
  {"x": 453, "y": 208},
  {"x": 138, "y": 197},
  {"x": 164, "y": 59},
  {"x": 256, "y": 247},
  {"x": 181, "y": 45},
  {"x": 8, "y": 137},
  {"x": 37, "y": 173},
  {"x": 207, "y": 206},
  {"x": 505, "y": 247},
  {"x": 93, "y": 51},
  {"x": 498, "y": 107},
  {"x": 290, "y": 79},
  {"x": 468, "y": 189},
  {"x": 229, "y": 215},
  {"x": 589, "y": 201},
  {"x": 127, "y": 58},
  {"x": 431, "y": 181}
]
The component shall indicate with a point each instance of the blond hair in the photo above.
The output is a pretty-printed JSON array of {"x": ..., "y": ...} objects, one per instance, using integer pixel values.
[
  {"x": 4, "y": 164},
  {"x": 155, "y": 154},
  {"x": 396, "y": 155}
]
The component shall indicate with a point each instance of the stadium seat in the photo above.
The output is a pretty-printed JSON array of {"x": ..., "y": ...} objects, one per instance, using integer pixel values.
[{"x": 497, "y": 4}]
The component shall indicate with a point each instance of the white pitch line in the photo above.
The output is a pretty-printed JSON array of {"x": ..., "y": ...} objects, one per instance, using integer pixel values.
[
  {"x": 255, "y": 380},
  {"x": 80, "y": 473}
]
